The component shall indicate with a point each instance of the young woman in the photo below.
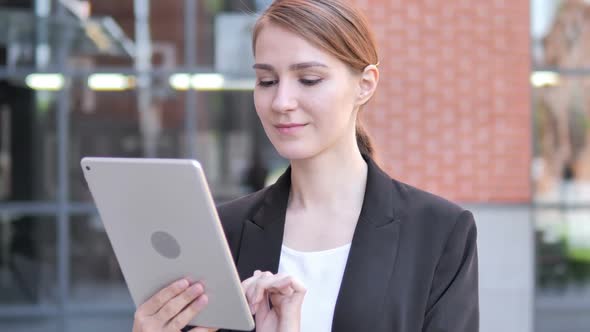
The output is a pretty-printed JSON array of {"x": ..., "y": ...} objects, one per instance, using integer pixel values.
[{"x": 335, "y": 244}]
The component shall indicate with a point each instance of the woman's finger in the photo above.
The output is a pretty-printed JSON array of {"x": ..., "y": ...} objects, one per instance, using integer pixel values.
[
  {"x": 157, "y": 301},
  {"x": 249, "y": 292},
  {"x": 298, "y": 286},
  {"x": 257, "y": 290},
  {"x": 249, "y": 286},
  {"x": 272, "y": 283},
  {"x": 202, "y": 329},
  {"x": 175, "y": 305},
  {"x": 286, "y": 286},
  {"x": 285, "y": 290},
  {"x": 263, "y": 287},
  {"x": 188, "y": 313},
  {"x": 246, "y": 283},
  {"x": 258, "y": 287},
  {"x": 262, "y": 308}
]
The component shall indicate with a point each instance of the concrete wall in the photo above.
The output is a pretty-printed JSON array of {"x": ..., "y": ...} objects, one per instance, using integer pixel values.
[{"x": 506, "y": 267}]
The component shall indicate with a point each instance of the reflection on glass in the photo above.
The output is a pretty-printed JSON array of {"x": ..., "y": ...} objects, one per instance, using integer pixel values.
[
  {"x": 563, "y": 269},
  {"x": 95, "y": 273},
  {"x": 560, "y": 31},
  {"x": 96, "y": 323},
  {"x": 561, "y": 164},
  {"x": 563, "y": 239},
  {"x": 110, "y": 124},
  {"x": 40, "y": 37},
  {"x": 229, "y": 140},
  {"x": 29, "y": 324},
  {"x": 27, "y": 143},
  {"x": 27, "y": 259}
]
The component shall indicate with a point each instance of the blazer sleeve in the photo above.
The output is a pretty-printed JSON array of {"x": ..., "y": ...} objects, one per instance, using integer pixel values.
[{"x": 453, "y": 303}]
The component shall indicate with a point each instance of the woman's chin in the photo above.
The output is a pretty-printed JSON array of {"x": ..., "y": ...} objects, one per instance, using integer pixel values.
[{"x": 295, "y": 151}]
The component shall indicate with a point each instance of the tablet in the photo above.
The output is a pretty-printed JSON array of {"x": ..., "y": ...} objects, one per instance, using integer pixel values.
[{"x": 163, "y": 225}]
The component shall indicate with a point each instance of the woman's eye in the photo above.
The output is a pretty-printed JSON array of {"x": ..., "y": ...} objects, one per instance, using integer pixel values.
[
  {"x": 309, "y": 82},
  {"x": 266, "y": 83},
  {"x": 306, "y": 82}
]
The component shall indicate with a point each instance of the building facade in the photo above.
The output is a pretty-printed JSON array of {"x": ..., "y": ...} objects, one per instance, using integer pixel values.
[{"x": 482, "y": 102}]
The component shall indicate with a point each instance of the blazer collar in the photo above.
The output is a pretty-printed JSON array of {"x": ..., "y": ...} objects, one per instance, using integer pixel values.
[{"x": 372, "y": 254}]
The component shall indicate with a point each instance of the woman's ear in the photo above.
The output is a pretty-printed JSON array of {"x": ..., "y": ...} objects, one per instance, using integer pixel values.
[{"x": 367, "y": 84}]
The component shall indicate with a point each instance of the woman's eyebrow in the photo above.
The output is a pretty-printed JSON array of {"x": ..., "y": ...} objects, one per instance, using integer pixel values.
[
  {"x": 263, "y": 66},
  {"x": 294, "y": 67},
  {"x": 305, "y": 65}
]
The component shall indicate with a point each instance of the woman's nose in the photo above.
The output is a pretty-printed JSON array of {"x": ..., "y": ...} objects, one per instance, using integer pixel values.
[{"x": 284, "y": 99}]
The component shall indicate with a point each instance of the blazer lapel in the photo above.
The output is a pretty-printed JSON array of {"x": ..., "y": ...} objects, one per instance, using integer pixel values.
[
  {"x": 371, "y": 259},
  {"x": 372, "y": 253},
  {"x": 262, "y": 237}
]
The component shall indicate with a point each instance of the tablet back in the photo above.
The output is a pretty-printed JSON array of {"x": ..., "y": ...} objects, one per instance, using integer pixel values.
[{"x": 163, "y": 225}]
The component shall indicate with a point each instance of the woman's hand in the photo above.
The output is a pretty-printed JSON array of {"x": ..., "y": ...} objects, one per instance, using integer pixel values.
[
  {"x": 283, "y": 292},
  {"x": 172, "y": 308}
]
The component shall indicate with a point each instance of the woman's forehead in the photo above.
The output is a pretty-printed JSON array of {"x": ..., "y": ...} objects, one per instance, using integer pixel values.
[{"x": 276, "y": 45}]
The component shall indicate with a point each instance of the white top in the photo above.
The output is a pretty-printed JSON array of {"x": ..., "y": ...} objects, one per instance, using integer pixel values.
[{"x": 321, "y": 274}]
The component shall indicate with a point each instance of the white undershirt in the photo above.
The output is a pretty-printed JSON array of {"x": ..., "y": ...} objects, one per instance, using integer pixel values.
[{"x": 321, "y": 274}]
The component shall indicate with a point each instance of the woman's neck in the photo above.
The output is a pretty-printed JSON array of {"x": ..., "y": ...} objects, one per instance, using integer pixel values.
[{"x": 330, "y": 180}]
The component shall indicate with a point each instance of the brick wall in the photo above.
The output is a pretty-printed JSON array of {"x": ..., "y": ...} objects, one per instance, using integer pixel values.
[{"x": 452, "y": 112}]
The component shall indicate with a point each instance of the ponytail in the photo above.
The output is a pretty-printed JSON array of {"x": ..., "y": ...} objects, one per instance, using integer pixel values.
[{"x": 364, "y": 141}]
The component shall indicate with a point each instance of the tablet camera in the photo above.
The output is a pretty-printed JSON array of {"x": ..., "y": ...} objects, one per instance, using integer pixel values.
[{"x": 165, "y": 244}]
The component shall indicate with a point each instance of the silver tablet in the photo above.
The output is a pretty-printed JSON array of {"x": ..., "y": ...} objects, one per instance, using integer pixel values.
[{"x": 163, "y": 225}]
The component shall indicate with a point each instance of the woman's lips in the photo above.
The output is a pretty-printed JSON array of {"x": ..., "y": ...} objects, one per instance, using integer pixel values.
[{"x": 290, "y": 128}]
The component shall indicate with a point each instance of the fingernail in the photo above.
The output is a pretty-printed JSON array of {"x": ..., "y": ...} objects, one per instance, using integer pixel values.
[
  {"x": 183, "y": 283},
  {"x": 197, "y": 288},
  {"x": 201, "y": 301}
]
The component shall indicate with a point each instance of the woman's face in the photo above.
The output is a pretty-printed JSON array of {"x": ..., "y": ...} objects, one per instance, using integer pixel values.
[{"x": 306, "y": 99}]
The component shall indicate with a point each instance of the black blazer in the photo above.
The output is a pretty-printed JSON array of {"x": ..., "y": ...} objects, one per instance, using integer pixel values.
[{"x": 412, "y": 264}]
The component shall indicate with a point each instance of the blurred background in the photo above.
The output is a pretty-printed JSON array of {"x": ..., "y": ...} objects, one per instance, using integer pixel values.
[{"x": 482, "y": 101}]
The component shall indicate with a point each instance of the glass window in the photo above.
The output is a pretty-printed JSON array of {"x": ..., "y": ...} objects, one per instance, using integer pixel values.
[
  {"x": 30, "y": 324},
  {"x": 227, "y": 139},
  {"x": 27, "y": 260},
  {"x": 563, "y": 269},
  {"x": 561, "y": 163},
  {"x": 95, "y": 274},
  {"x": 110, "y": 124},
  {"x": 559, "y": 33},
  {"x": 28, "y": 144},
  {"x": 101, "y": 323}
]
